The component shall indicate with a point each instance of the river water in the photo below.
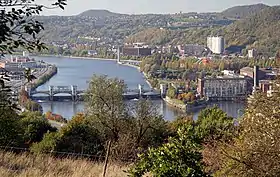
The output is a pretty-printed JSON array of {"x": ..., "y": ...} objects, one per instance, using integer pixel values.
[{"x": 79, "y": 71}]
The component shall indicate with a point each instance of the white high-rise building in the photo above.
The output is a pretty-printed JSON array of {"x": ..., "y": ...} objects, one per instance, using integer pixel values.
[{"x": 216, "y": 44}]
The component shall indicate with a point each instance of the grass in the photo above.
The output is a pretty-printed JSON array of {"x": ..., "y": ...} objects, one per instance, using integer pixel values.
[{"x": 28, "y": 165}]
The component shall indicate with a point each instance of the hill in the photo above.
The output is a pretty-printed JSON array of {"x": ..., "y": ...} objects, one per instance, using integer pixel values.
[
  {"x": 260, "y": 30},
  {"x": 98, "y": 13},
  {"x": 241, "y": 12}
]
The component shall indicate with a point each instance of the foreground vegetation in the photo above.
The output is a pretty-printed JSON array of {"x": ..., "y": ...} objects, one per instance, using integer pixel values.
[{"x": 22, "y": 165}]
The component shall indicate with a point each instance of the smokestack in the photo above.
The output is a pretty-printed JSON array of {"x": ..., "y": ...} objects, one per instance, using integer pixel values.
[{"x": 256, "y": 76}]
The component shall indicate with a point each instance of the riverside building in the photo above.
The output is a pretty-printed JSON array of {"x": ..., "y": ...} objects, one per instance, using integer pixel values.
[{"x": 228, "y": 87}]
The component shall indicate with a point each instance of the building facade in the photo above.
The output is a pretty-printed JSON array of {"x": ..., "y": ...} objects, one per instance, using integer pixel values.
[
  {"x": 136, "y": 51},
  {"x": 216, "y": 44},
  {"x": 222, "y": 88}
]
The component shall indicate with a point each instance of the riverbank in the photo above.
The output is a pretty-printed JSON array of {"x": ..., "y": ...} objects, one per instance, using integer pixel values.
[
  {"x": 175, "y": 104},
  {"x": 44, "y": 77}
]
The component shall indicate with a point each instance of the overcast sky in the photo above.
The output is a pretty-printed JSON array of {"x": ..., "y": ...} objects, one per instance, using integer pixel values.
[{"x": 152, "y": 6}]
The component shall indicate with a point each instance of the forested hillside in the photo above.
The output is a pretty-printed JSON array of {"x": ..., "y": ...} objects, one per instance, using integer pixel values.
[
  {"x": 260, "y": 30},
  {"x": 241, "y": 12}
]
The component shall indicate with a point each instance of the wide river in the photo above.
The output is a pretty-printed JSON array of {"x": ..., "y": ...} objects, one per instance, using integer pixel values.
[{"x": 79, "y": 71}]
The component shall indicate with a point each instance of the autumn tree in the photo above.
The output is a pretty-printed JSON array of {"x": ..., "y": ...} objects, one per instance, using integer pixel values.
[{"x": 255, "y": 152}]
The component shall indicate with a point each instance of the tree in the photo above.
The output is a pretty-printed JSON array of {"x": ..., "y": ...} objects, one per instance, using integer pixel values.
[
  {"x": 148, "y": 125},
  {"x": 179, "y": 157},
  {"x": 255, "y": 151},
  {"x": 34, "y": 126},
  {"x": 105, "y": 105},
  {"x": 184, "y": 154},
  {"x": 144, "y": 129},
  {"x": 78, "y": 136},
  {"x": 171, "y": 92},
  {"x": 9, "y": 126},
  {"x": 213, "y": 123},
  {"x": 18, "y": 27}
]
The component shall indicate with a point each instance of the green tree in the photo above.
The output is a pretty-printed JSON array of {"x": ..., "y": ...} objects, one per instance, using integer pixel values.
[
  {"x": 34, "y": 126},
  {"x": 171, "y": 92},
  {"x": 213, "y": 123},
  {"x": 148, "y": 125},
  {"x": 9, "y": 126},
  {"x": 179, "y": 157},
  {"x": 105, "y": 105},
  {"x": 144, "y": 129},
  {"x": 78, "y": 136}
]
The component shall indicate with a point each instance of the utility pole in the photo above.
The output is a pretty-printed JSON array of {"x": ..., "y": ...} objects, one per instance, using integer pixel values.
[{"x": 106, "y": 159}]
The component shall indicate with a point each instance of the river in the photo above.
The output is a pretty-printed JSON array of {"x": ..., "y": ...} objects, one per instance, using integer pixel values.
[{"x": 73, "y": 71}]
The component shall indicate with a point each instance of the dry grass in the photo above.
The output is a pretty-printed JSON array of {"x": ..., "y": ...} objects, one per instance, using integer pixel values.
[{"x": 24, "y": 165}]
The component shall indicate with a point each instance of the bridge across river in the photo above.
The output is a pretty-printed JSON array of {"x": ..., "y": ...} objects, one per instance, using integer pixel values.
[{"x": 72, "y": 93}]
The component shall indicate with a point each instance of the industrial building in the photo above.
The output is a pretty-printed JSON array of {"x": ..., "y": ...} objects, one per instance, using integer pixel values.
[
  {"x": 193, "y": 49},
  {"x": 136, "y": 51},
  {"x": 216, "y": 44},
  {"x": 18, "y": 62},
  {"x": 256, "y": 74},
  {"x": 229, "y": 87}
]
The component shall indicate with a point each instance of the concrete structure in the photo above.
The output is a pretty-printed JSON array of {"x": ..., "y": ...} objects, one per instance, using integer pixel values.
[
  {"x": 163, "y": 89},
  {"x": 216, "y": 44},
  {"x": 252, "y": 53},
  {"x": 223, "y": 88},
  {"x": 118, "y": 55},
  {"x": 72, "y": 93}
]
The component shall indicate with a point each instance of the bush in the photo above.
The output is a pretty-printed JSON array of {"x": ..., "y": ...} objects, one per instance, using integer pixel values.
[
  {"x": 34, "y": 127},
  {"x": 76, "y": 137}
]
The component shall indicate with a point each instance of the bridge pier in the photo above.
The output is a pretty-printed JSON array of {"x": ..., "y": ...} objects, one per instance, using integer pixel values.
[
  {"x": 140, "y": 87},
  {"x": 51, "y": 93},
  {"x": 74, "y": 92}
]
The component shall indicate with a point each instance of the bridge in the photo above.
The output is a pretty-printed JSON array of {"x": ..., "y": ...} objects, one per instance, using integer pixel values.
[{"x": 55, "y": 93}]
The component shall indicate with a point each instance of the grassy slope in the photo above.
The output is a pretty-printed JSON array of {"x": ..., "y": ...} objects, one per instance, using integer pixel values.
[{"x": 44, "y": 166}]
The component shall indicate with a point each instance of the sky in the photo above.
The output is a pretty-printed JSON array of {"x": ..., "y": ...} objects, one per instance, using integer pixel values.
[{"x": 151, "y": 6}]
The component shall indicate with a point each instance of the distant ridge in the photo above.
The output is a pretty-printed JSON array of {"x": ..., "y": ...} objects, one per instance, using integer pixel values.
[
  {"x": 258, "y": 30},
  {"x": 98, "y": 13},
  {"x": 243, "y": 11}
]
